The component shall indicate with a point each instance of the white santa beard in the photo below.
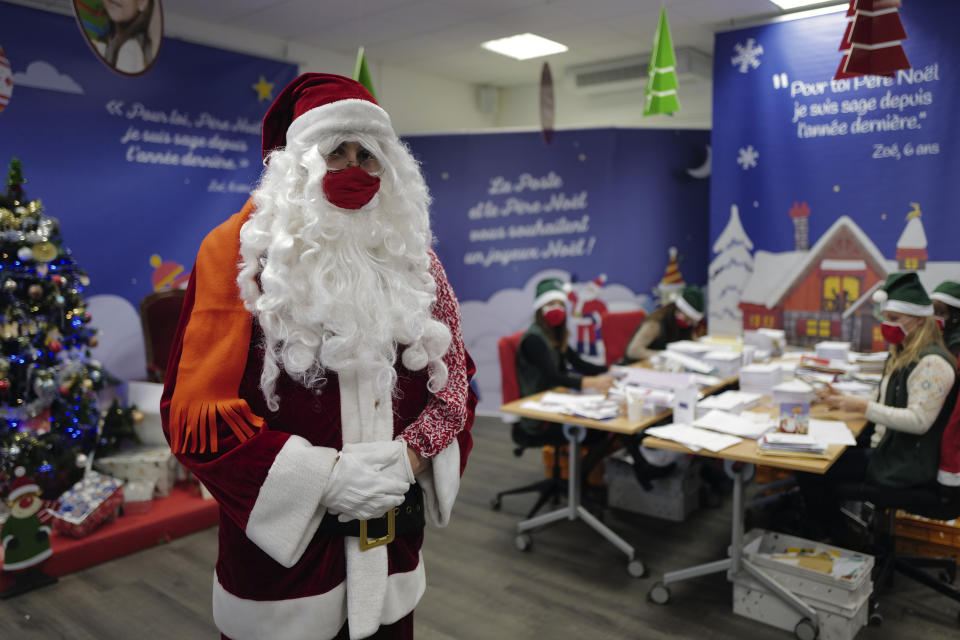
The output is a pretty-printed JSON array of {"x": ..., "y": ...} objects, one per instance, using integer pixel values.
[{"x": 340, "y": 290}]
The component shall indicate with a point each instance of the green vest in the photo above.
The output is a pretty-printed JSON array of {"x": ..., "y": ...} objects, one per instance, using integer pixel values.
[
  {"x": 530, "y": 378},
  {"x": 904, "y": 460}
]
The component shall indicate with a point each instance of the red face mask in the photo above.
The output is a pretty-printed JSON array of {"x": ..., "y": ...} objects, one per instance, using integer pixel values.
[
  {"x": 682, "y": 321},
  {"x": 941, "y": 322},
  {"x": 892, "y": 332},
  {"x": 350, "y": 188},
  {"x": 555, "y": 317}
]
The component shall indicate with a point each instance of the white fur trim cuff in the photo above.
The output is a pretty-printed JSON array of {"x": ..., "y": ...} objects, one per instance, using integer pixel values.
[
  {"x": 946, "y": 299},
  {"x": 947, "y": 478},
  {"x": 288, "y": 510},
  {"x": 549, "y": 296},
  {"x": 687, "y": 309},
  {"x": 908, "y": 308},
  {"x": 310, "y": 617},
  {"x": 440, "y": 484},
  {"x": 353, "y": 114}
]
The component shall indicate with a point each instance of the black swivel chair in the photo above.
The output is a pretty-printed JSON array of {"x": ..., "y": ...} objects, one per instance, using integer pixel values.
[
  {"x": 552, "y": 488},
  {"x": 937, "y": 503}
]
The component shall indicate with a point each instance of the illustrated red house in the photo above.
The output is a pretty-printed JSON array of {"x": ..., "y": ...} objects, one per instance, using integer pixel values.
[{"x": 807, "y": 293}]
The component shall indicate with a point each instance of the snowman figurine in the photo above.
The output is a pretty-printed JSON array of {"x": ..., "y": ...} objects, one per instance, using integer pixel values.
[{"x": 26, "y": 538}]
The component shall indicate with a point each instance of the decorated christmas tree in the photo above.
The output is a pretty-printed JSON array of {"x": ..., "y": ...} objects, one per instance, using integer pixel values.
[{"x": 49, "y": 413}]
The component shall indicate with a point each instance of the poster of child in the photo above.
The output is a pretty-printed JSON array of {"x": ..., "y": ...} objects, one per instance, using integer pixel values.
[{"x": 125, "y": 34}]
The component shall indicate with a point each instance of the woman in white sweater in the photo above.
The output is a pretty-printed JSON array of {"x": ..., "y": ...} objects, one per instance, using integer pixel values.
[{"x": 917, "y": 394}]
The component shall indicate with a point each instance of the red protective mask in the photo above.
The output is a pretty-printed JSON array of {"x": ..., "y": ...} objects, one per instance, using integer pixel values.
[
  {"x": 682, "y": 321},
  {"x": 350, "y": 188},
  {"x": 941, "y": 322},
  {"x": 892, "y": 332},
  {"x": 555, "y": 317}
]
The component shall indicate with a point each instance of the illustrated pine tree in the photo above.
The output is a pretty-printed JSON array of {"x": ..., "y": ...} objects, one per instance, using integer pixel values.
[
  {"x": 49, "y": 413},
  {"x": 729, "y": 272}
]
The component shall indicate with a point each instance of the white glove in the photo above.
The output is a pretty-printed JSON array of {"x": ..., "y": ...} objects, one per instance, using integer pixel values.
[
  {"x": 358, "y": 488},
  {"x": 393, "y": 451}
]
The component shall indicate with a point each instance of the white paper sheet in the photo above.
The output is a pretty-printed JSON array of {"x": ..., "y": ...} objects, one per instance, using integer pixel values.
[
  {"x": 733, "y": 425},
  {"x": 693, "y": 438},
  {"x": 831, "y": 432}
]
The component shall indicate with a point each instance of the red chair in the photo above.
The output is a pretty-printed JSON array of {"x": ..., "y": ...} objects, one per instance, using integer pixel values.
[
  {"x": 618, "y": 328},
  {"x": 159, "y": 317},
  {"x": 553, "y": 487}
]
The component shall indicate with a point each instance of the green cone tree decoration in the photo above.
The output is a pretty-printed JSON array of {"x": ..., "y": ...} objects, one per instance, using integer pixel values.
[{"x": 660, "y": 95}]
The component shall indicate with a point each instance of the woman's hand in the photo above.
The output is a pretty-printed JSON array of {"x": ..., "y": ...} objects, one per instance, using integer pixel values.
[
  {"x": 841, "y": 401},
  {"x": 599, "y": 383}
]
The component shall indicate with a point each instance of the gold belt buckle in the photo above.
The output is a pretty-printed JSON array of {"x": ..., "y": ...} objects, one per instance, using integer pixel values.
[{"x": 366, "y": 543}]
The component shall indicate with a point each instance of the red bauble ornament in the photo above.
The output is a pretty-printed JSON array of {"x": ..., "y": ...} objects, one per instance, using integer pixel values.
[
  {"x": 57, "y": 280},
  {"x": 65, "y": 390},
  {"x": 4, "y": 386},
  {"x": 55, "y": 346}
]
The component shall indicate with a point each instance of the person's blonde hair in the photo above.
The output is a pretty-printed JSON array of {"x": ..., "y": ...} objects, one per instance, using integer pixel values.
[{"x": 908, "y": 352}]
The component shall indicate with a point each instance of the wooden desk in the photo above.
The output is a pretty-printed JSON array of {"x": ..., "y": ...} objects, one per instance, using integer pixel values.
[
  {"x": 620, "y": 424},
  {"x": 575, "y": 430},
  {"x": 747, "y": 453}
]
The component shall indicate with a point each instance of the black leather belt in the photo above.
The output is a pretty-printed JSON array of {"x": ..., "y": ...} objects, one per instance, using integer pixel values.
[{"x": 407, "y": 518}]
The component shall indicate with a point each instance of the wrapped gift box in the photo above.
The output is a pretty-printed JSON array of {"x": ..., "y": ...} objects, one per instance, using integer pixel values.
[
  {"x": 143, "y": 464},
  {"x": 88, "y": 504}
]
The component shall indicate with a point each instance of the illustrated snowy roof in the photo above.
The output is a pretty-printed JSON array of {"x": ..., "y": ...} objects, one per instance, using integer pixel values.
[
  {"x": 933, "y": 273},
  {"x": 771, "y": 296},
  {"x": 732, "y": 233},
  {"x": 913, "y": 236},
  {"x": 768, "y": 270}
]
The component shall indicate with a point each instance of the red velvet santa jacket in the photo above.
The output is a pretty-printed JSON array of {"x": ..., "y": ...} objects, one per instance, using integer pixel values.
[{"x": 275, "y": 576}]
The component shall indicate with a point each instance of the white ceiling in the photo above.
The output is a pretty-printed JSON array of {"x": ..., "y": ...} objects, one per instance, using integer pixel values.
[{"x": 443, "y": 36}]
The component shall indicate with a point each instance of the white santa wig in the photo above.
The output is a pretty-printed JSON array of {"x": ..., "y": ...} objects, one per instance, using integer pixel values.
[{"x": 335, "y": 289}]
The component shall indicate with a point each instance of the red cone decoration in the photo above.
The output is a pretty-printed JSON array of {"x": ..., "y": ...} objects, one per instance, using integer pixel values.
[{"x": 871, "y": 42}]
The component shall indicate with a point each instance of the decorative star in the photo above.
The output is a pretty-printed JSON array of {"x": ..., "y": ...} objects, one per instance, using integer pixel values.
[{"x": 264, "y": 89}]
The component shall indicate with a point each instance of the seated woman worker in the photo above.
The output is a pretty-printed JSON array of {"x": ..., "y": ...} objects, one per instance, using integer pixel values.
[
  {"x": 680, "y": 319},
  {"x": 917, "y": 395},
  {"x": 946, "y": 307}
]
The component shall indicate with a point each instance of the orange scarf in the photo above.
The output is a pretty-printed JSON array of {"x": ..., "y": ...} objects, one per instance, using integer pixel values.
[{"x": 215, "y": 346}]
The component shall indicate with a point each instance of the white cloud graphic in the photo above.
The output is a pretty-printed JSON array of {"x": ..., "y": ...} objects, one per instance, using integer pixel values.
[{"x": 43, "y": 75}]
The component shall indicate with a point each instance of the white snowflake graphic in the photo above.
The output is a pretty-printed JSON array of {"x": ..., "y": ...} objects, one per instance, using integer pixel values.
[
  {"x": 748, "y": 55},
  {"x": 747, "y": 157}
]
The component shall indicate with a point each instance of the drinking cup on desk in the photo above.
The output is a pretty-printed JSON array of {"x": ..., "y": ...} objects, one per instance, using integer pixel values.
[{"x": 634, "y": 408}]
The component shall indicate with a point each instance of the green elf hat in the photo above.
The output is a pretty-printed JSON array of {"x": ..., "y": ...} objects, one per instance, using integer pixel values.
[
  {"x": 690, "y": 302},
  {"x": 550, "y": 290},
  {"x": 903, "y": 293},
  {"x": 948, "y": 293}
]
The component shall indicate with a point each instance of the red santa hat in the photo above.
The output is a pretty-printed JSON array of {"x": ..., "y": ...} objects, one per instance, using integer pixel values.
[
  {"x": 22, "y": 485},
  {"x": 319, "y": 102}
]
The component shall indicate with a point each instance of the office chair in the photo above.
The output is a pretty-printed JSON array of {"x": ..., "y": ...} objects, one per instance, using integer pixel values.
[
  {"x": 159, "y": 315},
  {"x": 936, "y": 503},
  {"x": 549, "y": 488},
  {"x": 618, "y": 328}
]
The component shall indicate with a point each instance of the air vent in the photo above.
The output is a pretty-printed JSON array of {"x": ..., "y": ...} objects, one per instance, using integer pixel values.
[{"x": 630, "y": 73}]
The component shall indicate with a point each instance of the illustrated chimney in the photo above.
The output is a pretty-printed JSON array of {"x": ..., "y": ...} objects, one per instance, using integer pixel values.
[{"x": 800, "y": 214}]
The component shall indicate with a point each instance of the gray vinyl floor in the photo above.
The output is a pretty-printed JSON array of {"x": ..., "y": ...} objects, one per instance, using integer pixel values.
[{"x": 571, "y": 584}]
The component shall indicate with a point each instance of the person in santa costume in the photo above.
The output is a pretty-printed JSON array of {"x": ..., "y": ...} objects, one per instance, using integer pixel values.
[{"x": 318, "y": 383}]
